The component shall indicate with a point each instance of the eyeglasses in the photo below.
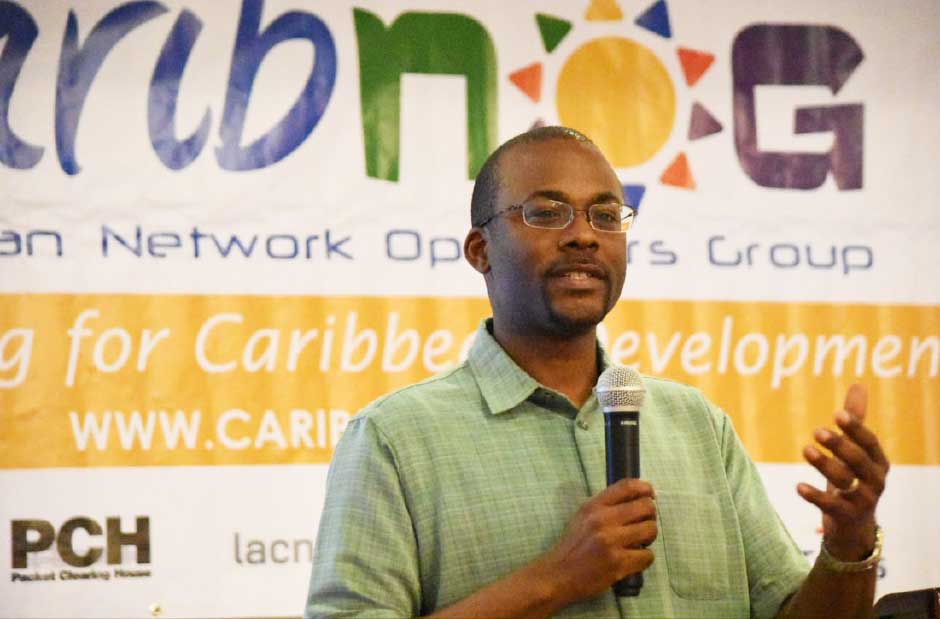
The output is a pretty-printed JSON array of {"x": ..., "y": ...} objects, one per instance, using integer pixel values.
[{"x": 555, "y": 215}]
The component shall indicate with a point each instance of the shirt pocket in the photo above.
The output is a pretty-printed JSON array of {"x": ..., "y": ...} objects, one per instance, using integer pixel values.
[{"x": 695, "y": 544}]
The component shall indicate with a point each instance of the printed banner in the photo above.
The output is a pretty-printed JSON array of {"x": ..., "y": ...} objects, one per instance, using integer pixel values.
[{"x": 227, "y": 226}]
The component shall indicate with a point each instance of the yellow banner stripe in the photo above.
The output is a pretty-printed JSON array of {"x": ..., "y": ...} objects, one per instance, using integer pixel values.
[{"x": 123, "y": 380}]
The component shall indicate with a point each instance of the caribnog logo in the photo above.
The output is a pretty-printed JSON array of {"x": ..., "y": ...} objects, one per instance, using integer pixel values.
[{"x": 82, "y": 543}]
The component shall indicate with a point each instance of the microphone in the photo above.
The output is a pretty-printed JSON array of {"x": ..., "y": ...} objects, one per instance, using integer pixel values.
[{"x": 620, "y": 393}]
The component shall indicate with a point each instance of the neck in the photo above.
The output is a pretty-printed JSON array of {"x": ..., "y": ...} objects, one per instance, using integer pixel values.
[{"x": 567, "y": 364}]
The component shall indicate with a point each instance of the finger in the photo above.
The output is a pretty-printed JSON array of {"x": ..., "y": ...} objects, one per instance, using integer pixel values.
[
  {"x": 630, "y": 561},
  {"x": 835, "y": 471},
  {"x": 861, "y": 494},
  {"x": 852, "y": 456},
  {"x": 833, "y": 504},
  {"x": 862, "y": 436},
  {"x": 636, "y": 510},
  {"x": 846, "y": 450},
  {"x": 639, "y": 534},
  {"x": 624, "y": 490},
  {"x": 856, "y": 401},
  {"x": 636, "y": 560}
]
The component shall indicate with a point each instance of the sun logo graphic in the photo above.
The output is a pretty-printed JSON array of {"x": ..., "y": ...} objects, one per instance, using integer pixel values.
[{"x": 618, "y": 91}]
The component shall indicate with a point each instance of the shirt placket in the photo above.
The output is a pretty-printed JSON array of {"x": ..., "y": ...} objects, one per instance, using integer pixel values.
[{"x": 589, "y": 439}]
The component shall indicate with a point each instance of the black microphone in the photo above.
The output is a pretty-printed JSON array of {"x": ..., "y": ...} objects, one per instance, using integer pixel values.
[{"x": 620, "y": 393}]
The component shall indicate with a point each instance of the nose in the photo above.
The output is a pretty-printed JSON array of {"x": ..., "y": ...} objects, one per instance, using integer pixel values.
[{"x": 579, "y": 233}]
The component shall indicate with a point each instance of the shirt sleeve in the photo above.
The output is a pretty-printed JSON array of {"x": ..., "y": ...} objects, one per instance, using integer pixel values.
[
  {"x": 776, "y": 567},
  {"x": 365, "y": 560}
]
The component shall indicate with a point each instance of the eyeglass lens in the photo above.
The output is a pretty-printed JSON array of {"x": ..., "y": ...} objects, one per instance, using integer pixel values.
[{"x": 552, "y": 214}]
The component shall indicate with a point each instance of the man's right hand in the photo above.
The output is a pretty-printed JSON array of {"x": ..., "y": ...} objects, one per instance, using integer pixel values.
[{"x": 605, "y": 541}]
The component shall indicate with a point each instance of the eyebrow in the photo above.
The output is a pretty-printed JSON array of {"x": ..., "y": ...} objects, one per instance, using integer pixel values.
[{"x": 561, "y": 196}]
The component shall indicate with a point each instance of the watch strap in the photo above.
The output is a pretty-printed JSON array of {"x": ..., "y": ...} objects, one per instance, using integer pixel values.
[{"x": 833, "y": 564}]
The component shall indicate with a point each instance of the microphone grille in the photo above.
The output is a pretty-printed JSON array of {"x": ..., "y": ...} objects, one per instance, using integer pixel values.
[{"x": 620, "y": 387}]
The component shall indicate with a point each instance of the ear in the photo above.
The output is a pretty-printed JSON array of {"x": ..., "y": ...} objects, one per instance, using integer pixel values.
[{"x": 475, "y": 250}]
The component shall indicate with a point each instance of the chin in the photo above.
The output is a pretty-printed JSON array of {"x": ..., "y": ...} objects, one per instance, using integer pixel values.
[{"x": 575, "y": 323}]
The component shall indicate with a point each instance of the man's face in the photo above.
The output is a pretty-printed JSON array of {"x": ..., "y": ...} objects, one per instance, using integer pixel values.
[{"x": 554, "y": 282}]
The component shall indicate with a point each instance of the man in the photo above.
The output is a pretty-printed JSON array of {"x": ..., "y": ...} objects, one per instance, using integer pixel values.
[{"x": 482, "y": 492}]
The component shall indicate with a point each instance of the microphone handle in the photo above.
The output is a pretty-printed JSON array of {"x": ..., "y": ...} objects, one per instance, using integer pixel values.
[{"x": 622, "y": 431}]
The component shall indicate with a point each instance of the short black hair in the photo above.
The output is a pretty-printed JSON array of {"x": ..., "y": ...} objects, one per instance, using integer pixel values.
[{"x": 483, "y": 202}]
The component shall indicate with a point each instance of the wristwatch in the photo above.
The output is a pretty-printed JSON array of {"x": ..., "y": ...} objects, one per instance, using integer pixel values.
[{"x": 832, "y": 564}]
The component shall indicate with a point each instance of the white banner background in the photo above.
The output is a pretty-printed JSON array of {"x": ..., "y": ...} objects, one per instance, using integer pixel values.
[{"x": 197, "y": 568}]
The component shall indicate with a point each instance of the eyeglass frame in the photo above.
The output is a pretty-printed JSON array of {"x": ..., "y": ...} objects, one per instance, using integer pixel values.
[{"x": 574, "y": 211}]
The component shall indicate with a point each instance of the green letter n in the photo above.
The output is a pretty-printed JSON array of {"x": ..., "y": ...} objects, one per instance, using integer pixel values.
[{"x": 430, "y": 43}]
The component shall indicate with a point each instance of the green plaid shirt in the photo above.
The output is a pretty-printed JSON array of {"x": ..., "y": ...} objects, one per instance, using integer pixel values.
[{"x": 445, "y": 486}]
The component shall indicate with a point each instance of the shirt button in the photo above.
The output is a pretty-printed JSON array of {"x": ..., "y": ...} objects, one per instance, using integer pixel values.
[{"x": 582, "y": 424}]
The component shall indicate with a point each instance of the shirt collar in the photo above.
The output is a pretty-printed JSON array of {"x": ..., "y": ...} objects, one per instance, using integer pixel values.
[{"x": 503, "y": 384}]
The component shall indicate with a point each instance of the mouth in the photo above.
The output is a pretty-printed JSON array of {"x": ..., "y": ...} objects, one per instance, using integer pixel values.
[
  {"x": 579, "y": 278},
  {"x": 579, "y": 272}
]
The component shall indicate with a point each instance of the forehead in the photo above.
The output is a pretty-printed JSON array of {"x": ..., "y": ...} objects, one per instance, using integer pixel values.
[{"x": 569, "y": 167}]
